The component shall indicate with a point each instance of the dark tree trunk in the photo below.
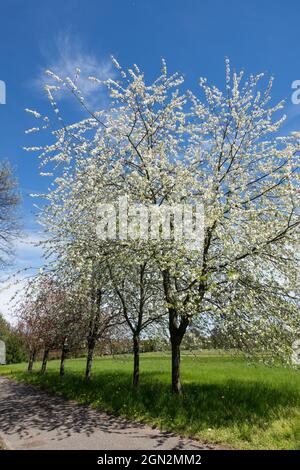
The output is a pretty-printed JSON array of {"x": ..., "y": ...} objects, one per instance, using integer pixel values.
[
  {"x": 177, "y": 328},
  {"x": 31, "y": 360},
  {"x": 93, "y": 330},
  {"x": 45, "y": 360},
  {"x": 136, "y": 361},
  {"x": 89, "y": 359},
  {"x": 176, "y": 384},
  {"x": 177, "y": 332},
  {"x": 62, "y": 361}
]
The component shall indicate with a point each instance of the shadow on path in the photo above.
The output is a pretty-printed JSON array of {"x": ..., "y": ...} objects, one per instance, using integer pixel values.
[{"x": 27, "y": 412}]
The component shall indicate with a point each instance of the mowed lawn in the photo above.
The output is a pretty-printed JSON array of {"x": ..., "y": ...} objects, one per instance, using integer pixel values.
[{"x": 225, "y": 400}]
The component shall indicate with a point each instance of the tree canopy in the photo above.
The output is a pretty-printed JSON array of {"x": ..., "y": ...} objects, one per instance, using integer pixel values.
[{"x": 162, "y": 146}]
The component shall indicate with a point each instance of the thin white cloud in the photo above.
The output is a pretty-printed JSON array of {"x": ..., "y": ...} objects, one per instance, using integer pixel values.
[
  {"x": 27, "y": 250},
  {"x": 10, "y": 294},
  {"x": 28, "y": 259},
  {"x": 70, "y": 54}
]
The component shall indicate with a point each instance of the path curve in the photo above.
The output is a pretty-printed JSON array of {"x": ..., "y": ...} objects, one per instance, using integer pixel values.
[{"x": 33, "y": 419}]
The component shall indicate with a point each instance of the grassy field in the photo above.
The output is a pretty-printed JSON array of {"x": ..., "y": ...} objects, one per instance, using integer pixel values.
[{"x": 225, "y": 400}]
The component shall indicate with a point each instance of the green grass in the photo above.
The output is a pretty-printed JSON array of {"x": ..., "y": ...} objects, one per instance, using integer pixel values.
[{"x": 225, "y": 401}]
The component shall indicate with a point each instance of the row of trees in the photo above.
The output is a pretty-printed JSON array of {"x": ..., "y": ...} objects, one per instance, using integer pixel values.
[
  {"x": 51, "y": 318},
  {"x": 161, "y": 147}
]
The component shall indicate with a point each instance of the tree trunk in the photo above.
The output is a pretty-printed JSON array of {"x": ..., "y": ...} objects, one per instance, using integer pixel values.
[
  {"x": 136, "y": 360},
  {"x": 89, "y": 359},
  {"x": 178, "y": 324},
  {"x": 62, "y": 361},
  {"x": 45, "y": 360},
  {"x": 177, "y": 332},
  {"x": 176, "y": 384},
  {"x": 96, "y": 297},
  {"x": 31, "y": 360}
]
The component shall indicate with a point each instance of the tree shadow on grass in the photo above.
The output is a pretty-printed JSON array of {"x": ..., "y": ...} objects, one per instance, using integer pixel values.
[{"x": 232, "y": 403}]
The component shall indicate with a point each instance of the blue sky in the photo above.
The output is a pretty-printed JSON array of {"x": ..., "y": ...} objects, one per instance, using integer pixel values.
[{"x": 193, "y": 36}]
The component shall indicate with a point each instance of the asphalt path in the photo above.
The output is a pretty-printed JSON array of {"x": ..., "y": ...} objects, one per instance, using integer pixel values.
[{"x": 33, "y": 419}]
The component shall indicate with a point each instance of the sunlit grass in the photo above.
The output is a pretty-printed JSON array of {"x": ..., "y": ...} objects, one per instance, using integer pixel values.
[{"x": 224, "y": 400}]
